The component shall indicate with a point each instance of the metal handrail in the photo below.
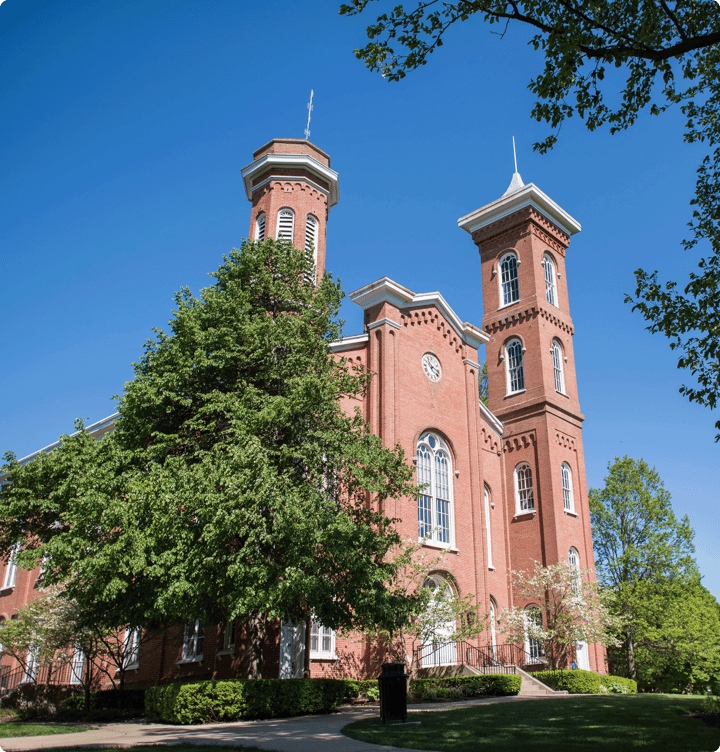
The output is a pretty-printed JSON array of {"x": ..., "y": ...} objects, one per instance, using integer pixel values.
[{"x": 48, "y": 673}]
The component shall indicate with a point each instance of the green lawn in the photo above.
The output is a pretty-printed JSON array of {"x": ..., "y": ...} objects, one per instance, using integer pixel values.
[
  {"x": 18, "y": 728},
  {"x": 604, "y": 723}
]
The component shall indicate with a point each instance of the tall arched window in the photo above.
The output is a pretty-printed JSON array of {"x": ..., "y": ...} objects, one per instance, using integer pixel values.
[
  {"x": 558, "y": 367},
  {"x": 515, "y": 371},
  {"x": 11, "y": 570},
  {"x": 550, "y": 286},
  {"x": 488, "y": 528},
  {"x": 533, "y": 644},
  {"x": 311, "y": 238},
  {"x": 286, "y": 224},
  {"x": 524, "y": 496},
  {"x": 434, "y": 474},
  {"x": 509, "y": 279},
  {"x": 440, "y": 649},
  {"x": 260, "y": 227},
  {"x": 568, "y": 500},
  {"x": 574, "y": 559},
  {"x": 493, "y": 634}
]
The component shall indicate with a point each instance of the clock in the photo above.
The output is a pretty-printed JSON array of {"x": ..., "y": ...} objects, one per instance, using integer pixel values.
[{"x": 431, "y": 366}]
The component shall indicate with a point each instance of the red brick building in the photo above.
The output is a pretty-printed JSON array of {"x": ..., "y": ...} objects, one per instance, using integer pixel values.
[{"x": 504, "y": 484}]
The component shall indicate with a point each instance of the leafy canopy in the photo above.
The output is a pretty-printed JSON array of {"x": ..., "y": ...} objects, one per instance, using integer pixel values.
[
  {"x": 235, "y": 484},
  {"x": 668, "y": 53}
]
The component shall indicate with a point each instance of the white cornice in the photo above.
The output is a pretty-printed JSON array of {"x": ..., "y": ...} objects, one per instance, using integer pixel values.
[
  {"x": 380, "y": 322},
  {"x": 349, "y": 343},
  {"x": 291, "y": 160},
  {"x": 492, "y": 419},
  {"x": 529, "y": 195},
  {"x": 385, "y": 290}
]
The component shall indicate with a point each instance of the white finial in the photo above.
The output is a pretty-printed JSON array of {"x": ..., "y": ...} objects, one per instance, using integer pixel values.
[
  {"x": 517, "y": 182},
  {"x": 310, "y": 109}
]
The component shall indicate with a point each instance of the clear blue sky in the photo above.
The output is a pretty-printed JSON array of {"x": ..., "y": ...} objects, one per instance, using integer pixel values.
[{"x": 123, "y": 130}]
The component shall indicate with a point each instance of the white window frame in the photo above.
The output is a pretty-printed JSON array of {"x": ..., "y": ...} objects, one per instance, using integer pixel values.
[
  {"x": 515, "y": 368},
  {"x": 508, "y": 279},
  {"x": 282, "y": 233},
  {"x": 131, "y": 647},
  {"x": 558, "y": 370},
  {"x": 574, "y": 560},
  {"x": 77, "y": 666},
  {"x": 260, "y": 221},
  {"x": 567, "y": 487},
  {"x": 322, "y": 642},
  {"x": 432, "y": 453},
  {"x": 550, "y": 280},
  {"x": 533, "y": 647},
  {"x": 488, "y": 527},
  {"x": 11, "y": 569},
  {"x": 193, "y": 642},
  {"x": 31, "y": 669},
  {"x": 493, "y": 632},
  {"x": 441, "y": 649},
  {"x": 524, "y": 489}
]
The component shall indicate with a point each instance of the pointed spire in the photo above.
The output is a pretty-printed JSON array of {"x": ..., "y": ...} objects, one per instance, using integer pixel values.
[{"x": 517, "y": 182}]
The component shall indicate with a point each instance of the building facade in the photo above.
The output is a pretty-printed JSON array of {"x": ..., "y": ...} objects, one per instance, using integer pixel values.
[{"x": 502, "y": 485}]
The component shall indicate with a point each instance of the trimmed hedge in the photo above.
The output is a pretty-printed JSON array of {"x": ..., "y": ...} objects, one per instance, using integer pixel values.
[
  {"x": 618, "y": 684},
  {"x": 364, "y": 689},
  {"x": 108, "y": 699},
  {"x": 576, "y": 682},
  {"x": 457, "y": 687},
  {"x": 236, "y": 699}
]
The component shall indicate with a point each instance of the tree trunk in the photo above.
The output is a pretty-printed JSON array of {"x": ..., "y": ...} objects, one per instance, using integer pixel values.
[
  {"x": 632, "y": 669},
  {"x": 256, "y": 628},
  {"x": 88, "y": 680},
  {"x": 308, "y": 628}
]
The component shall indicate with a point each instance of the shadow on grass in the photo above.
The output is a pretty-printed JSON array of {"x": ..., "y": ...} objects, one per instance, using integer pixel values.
[{"x": 607, "y": 723}]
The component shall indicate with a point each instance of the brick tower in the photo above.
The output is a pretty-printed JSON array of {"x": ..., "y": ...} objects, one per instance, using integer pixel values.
[
  {"x": 523, "y": 238},
  {"x": 292, "y": 190}
]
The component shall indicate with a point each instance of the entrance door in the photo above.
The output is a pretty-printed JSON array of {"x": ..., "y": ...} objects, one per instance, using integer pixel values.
[
  {"x": 442, "y": 649},
  {"x": 292, "y": 650},
  {"x": 583, "y": 656}
]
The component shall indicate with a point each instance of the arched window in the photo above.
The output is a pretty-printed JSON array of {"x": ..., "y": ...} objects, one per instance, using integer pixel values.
[
  {"x": 533, "y": 644},
  {"x": 515, "y": 371},
  {"x": 568, "y": 500},
  {"x": 510, "y": 291},
  {"x": 488, "y": 529},
  {"x": 260, "y": 227},
  {"x": 550, "y": 286},
  {"x": 558, "y": 367},
  {"x": 440, "y": 649},
  {"x": 11, "y": 570},
  {"x": 493, "y": 634},
  {"x": 311, "y": 237},
  {"x": 434, "y": 474},
  {"x": 574, "y": 559},
  {"x": 286, "y": 225},
  {"x": 524, "y": 496}
]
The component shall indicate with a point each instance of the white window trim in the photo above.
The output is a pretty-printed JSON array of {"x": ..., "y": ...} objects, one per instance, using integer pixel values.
[
  {"x": 552, "y": 281},
  {"x": 319, "y": 631},
  {"x": 540, "y": 647},
  {"x": 260, "y": 224},
  {"x": 77, "y": 667},
  {"x": 432, "y": 539},
  {"x": 518, "y": 508},
  {"x": 291, "y": 239},
  {"x": 31, "y": 669},
  {"x": 488, "y": 528},
  {"x": 131, "y": 646},
  {"x": 574, "y": 561},
  {"x": 508, "y": 376},
  {"x": 190, "y": 640},
  {"x": 565, "y": 468},
  {"x": 504, "y": 304},
  {"x": 11, "y": 569},
  {"x": 558, "y": 369}
]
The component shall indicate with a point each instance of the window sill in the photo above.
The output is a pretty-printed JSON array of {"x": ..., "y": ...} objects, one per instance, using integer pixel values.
[
  {"x": 571, "y": 514},
  {"x": 324, "y": 657},
  {"x": 7, "y": 588},
  {"x": 131, "y": 667},
  {"x": 507, "y": 305},
  {"x": 230, "y": 651},
  {"x": 492, "y": 569},
  {"x": 441, "y": 546},
  {"x": 514, "y": 394},
  {"x": 196, "y": 659},
  {"x": 525, "y": 513}
]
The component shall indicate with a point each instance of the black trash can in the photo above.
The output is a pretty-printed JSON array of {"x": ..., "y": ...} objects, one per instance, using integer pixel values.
[{"x": 393, "y": 692}]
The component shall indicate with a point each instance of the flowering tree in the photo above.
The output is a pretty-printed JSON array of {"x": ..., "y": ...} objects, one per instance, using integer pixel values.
[
  {"x": 571, "y": 609},
  {"x": 439, "y": 614}
]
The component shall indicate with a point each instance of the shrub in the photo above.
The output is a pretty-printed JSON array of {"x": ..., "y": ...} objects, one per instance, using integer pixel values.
[
  {"x": 575, "y": 682},
  {"x": 108, "y": 699},
  {"x": 235, "y": 699},
  {"x": 363, "y": 689},
  {"x": 456, "y": 687},
  {"x": 618, "y": 685}
]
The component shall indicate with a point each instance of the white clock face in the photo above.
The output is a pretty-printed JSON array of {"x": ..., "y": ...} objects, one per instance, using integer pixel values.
[{"x": 431, "y": 366}]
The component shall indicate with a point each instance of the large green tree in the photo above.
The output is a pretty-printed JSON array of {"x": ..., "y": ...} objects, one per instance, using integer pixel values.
[
  {"x": 644, "y": 558},
  {"x": 669, "y": 53},
  {"x": 235, "y": 486}
]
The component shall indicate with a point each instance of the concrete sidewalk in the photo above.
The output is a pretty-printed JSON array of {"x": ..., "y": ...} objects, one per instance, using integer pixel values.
[{"x": 314, "y": 733}]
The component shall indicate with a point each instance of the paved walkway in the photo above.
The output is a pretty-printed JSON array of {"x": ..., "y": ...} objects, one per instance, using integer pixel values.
[{"x": 314, "y": 733}]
